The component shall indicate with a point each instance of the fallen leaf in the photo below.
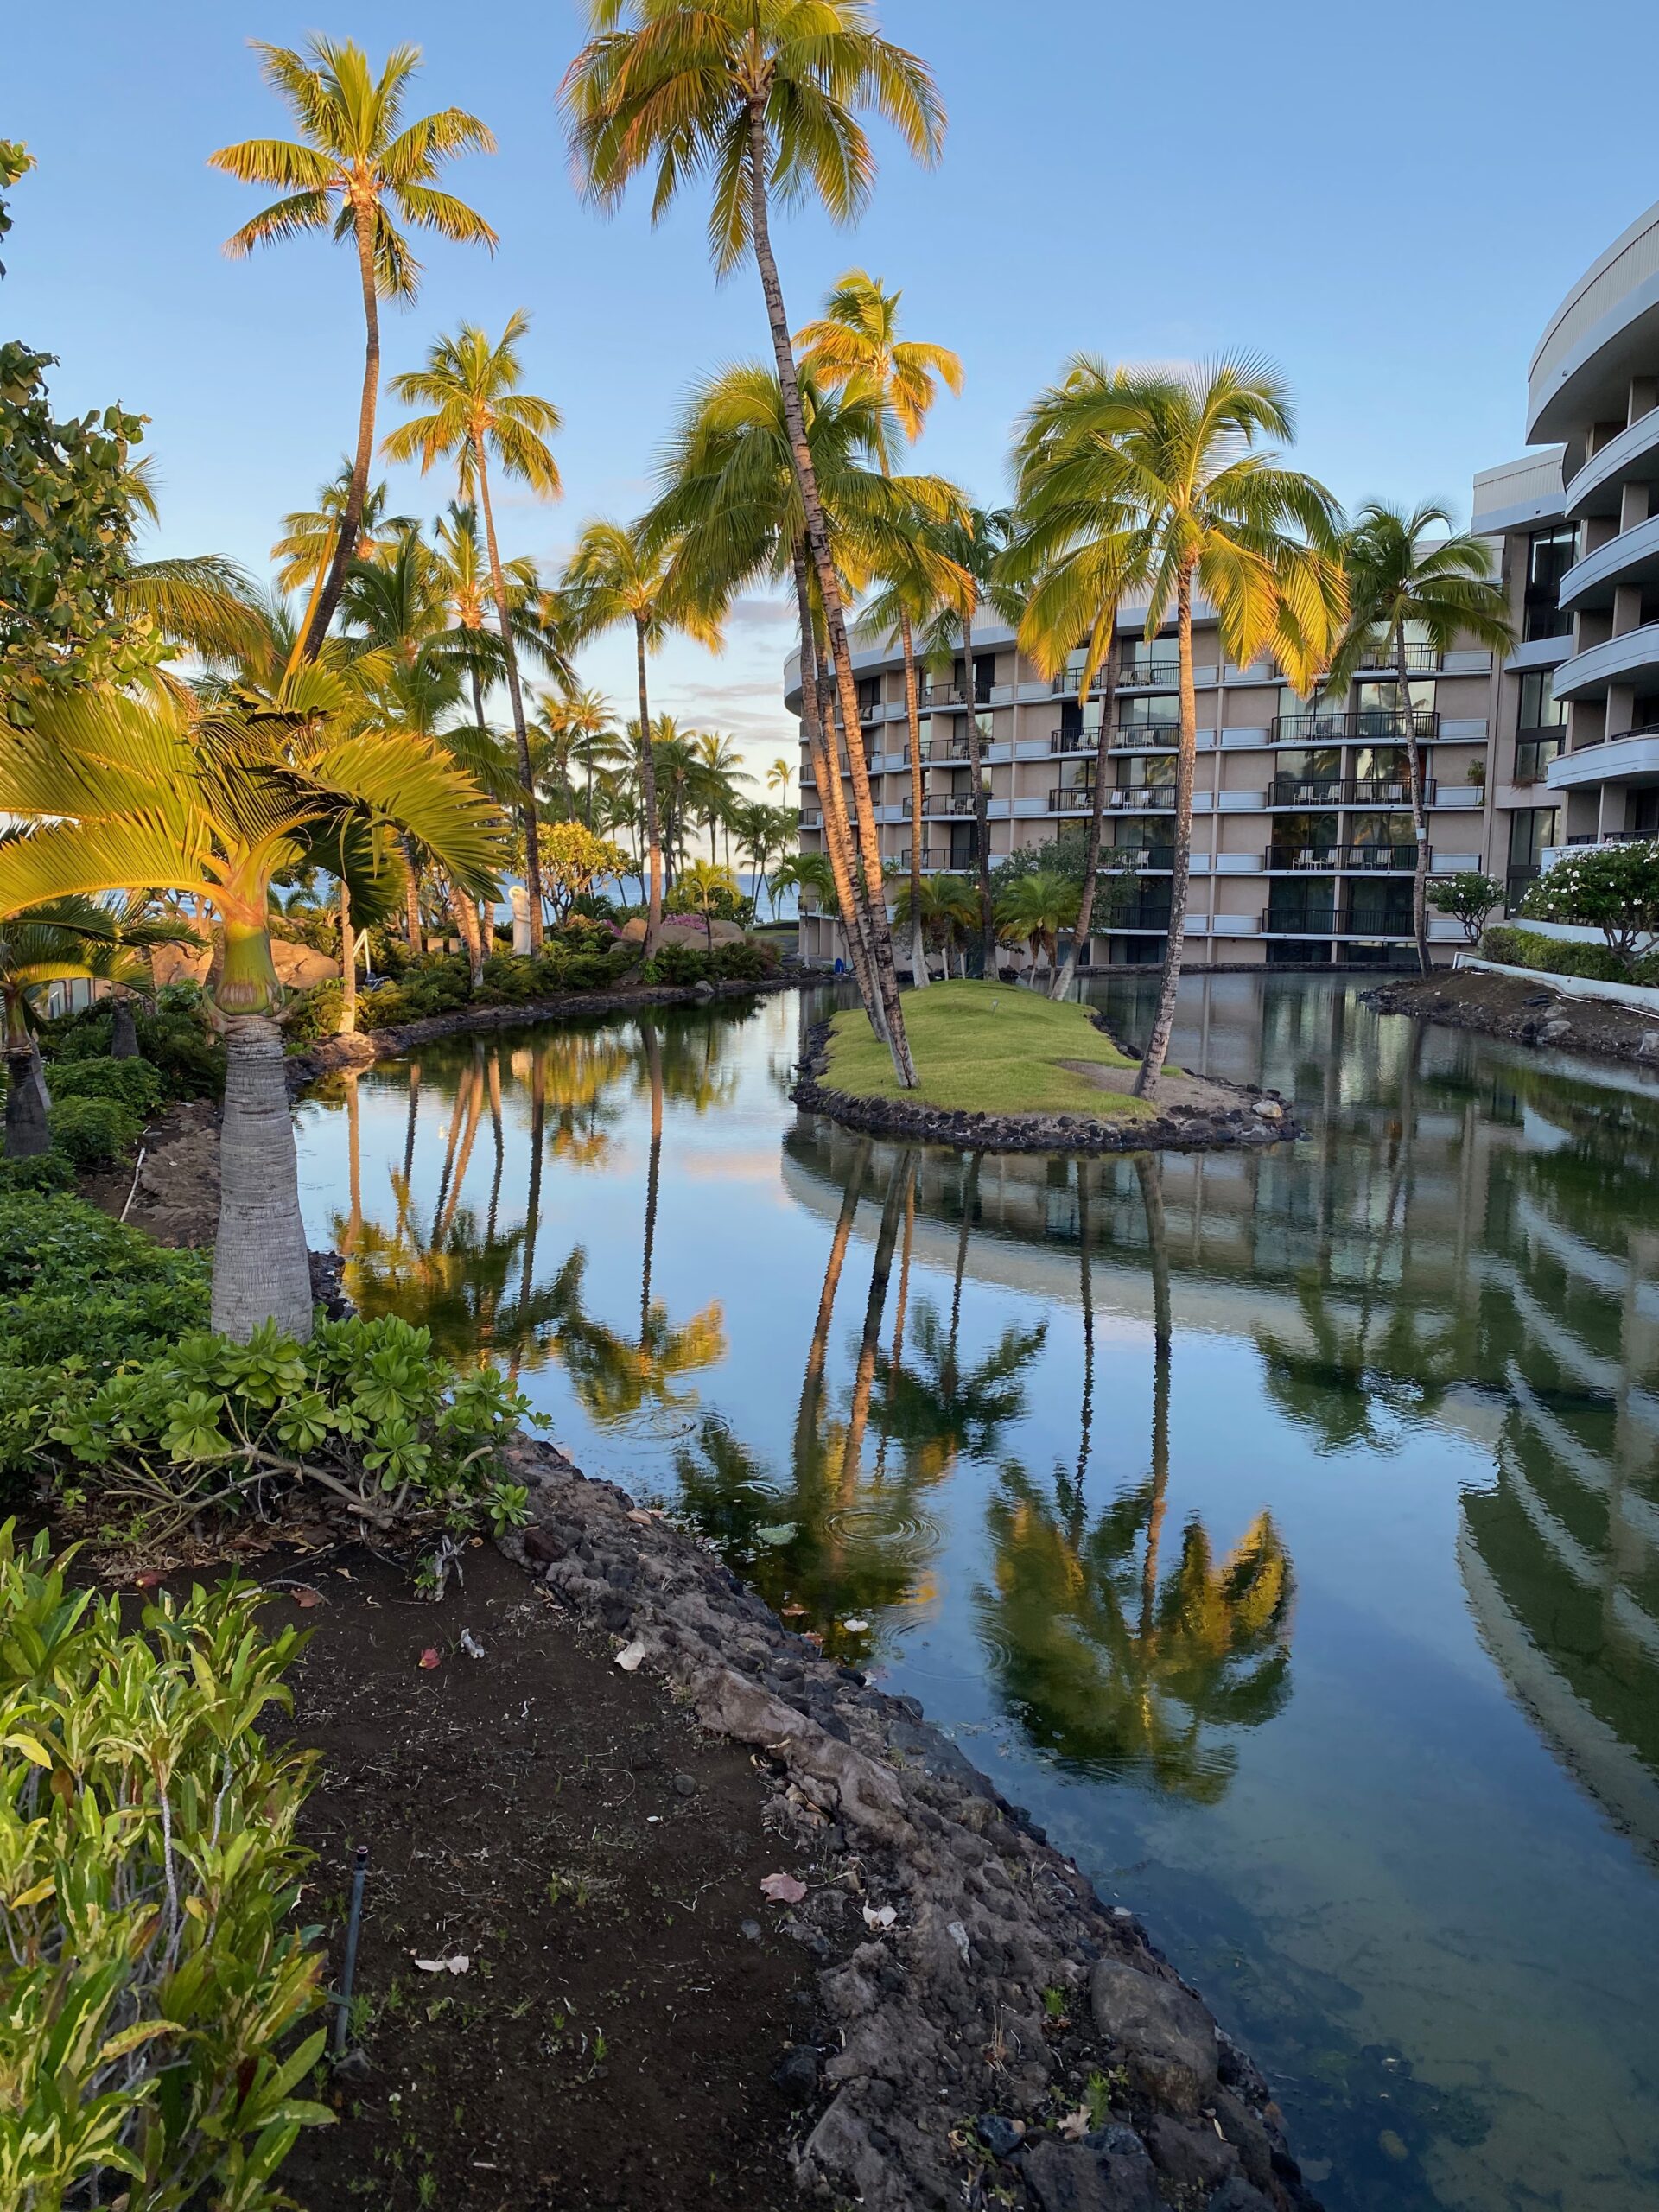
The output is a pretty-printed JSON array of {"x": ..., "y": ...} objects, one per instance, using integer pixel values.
[
  {"x": 1075, "y": 2126},
  {"x": 430, "y": 1658},
  {"x": 792, "y": 1612},
  {"x": 148, "y": 1580},
  {"x": 347, "y": 1572},
  {"x": 460, "y": 1964},
  {"x": 855, "y": 1627},
  {"x": 306, "y": 1599},
  {"x": 629, "y": 1657},
  {"x": 812, "y": 1636},
  {"x": 470, "y": 1644},
  {"x": 784, "y": 1888},
  {"x": 884, "y": 1918}
]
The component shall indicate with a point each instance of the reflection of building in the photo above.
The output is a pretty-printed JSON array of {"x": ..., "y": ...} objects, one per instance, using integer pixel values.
[{"x": 1484, "y": 1254}]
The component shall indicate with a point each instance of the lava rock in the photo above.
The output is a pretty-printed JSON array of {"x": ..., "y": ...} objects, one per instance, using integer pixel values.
[
  {"x": 543, "y": 1546},
  {"x": 1169, "y": 2037},
  {"x": 1236, "y": 2194},
  {"x": 797, "y": 2073},
  {"x": 1191, "y": 2153},
  {"x": 684, "y": 1786},
  {"x": 1073, "y": 2178},
  {"x": 1001, "y": 2137}
]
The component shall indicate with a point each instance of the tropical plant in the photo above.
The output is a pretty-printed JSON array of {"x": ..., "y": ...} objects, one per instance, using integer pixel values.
[
  {"x": 470, "y": 387},
  {"x": 1442, "y": 592},
  {"x": 761, "y": 831},
  {"x": 1613, "y": 888},
  {"x": 576, "y": 860},
  {"x": 809, "y": 875},
  {"x": 122, "y": 793},
  {"x": 706, "y": 886},
  {"x": 779, "y": 778},
  {"x": 856, "y": 342},
  {"x": 1037, "y": 911},
  {"x": 948, "y": 910},
  {"x": 1076, "y": 559},
  {"x": 356, "y": 165},
  {"x": 616, "y": 576},
  {"x": 1180, "y": 456},
  {"x": 157, "y": 1989},
  {"x": 760, "y": 97},
  {"x": 1469, "y": 896}
]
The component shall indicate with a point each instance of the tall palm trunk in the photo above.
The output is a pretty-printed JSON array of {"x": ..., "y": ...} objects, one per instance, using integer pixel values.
[
  {"x": 520, "y": 732},
  {"x": 653, "y": 1167},
  {"x": 874, "y": 1306},
  {"x": 1086, "y": 1292},
  {"x": 348, "y": 964},
  {"x": 261, "y": 1271},
  {"x": 812, "y": 1381},
  {"x": 648, "y": 794},
  {"x": 1149, "y": 1169},
  {"x": 1419, "y": 809},
  {"x": 817, "y": 538},
  {"x": 826, "y": 768},
  {"x": 982, "y": 808},
  {"x": 472, "y": 936},
  {"x": 27, "y": 1134},
  {"x": 1067, "y": 969},
  {"x": 533, "y": 1202},
  {"x": 323, "y": 605},
  {"x": 412, "y": 900},
  {"x": 917, "y": 826},
  {"x": 1146, "y": 1081}
]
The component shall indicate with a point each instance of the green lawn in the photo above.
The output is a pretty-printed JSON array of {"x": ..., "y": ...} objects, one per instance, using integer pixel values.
[{"x": 985, "y": 1048}]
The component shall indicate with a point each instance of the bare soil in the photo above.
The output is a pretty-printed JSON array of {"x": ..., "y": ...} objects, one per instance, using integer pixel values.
[
  {"x": 562, "y": 1826},
  {"x": 175, "y": 1191},
  {"x": 1186, "y": 1090},
  {"x": 1524, "y": 1013}
]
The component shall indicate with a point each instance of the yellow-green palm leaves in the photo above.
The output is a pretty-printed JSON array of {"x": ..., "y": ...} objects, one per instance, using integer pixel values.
[
  {"x": 855, "y": 343},
  {"x": 469, "y": 388}
]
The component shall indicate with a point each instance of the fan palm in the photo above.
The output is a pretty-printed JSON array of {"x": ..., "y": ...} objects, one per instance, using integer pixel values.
[
  {"x": 761, "y": 97},
  {"x": 1443, "y": 590},
  {"x": 856, "y": 343},
  {"x": 619, "y": 575},
  {"x": 1077, "y": 557},
  {"x": 1180, "y": 454},
  {"x": 475, "y": 410},
  {"x": 356, "y": 164},
  {"x": 122, "y": 793}
]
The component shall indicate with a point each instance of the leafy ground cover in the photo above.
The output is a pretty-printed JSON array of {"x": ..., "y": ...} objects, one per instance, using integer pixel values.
[{"x": 987, "y": 1048}]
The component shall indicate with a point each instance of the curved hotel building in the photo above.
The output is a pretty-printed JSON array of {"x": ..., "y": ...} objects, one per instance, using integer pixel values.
[{"x": 1302, "y": 841}]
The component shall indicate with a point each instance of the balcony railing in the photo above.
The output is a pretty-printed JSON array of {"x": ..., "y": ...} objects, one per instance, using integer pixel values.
[
  {"x": 1349, "y": 790},
  {"x": 946, "y": 749},
  {"x": 811, "y": 818},
  {"x": 1127, "y": 737},
  {"x": 1381, "y": 860},
  {"x": 1161, "y": 670},
  {"x": 941, "y": 803},
  {"x": 1079, "y": 799},
  {"x": 1304, "y": 921},
  {"x": 956, "y": 695},
  {"x": 936, "y": 856},
  {"x": 1370, "y": 724},
  {"x": 1143, "y": 859},
  {"x": 1421, "y": 660},
  {"x": 1142, "y": 914},
  {"x": 1614, "y": 838}
]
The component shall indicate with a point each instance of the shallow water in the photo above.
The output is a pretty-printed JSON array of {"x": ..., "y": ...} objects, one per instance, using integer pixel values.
[{"x": 1282, "y": 1528}]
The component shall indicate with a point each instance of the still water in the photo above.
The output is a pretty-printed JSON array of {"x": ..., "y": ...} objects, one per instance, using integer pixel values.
[{"x": 1281, "y": 1528}]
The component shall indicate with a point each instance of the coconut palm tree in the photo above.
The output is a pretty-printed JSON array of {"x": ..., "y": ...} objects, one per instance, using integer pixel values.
[
  {"x": 763, "y": 830},
  {"x": 1077, "y": 557},
  {"x": 469, "y": 388},
  {"x": 121, "y": 794},
  {"x": 808, "y": 873},
  {"x": 779, "y": 778},
  {"x": 356, "y": 165},
  {"x": 705, "y": 885},
  {"x": 589, "y": 720},
  {"x": 759, "y": 96},
  {"x": 856, "y": 342},
  {"x": 619, "y": 575},
  {"x": 306, "y": 547},
  {"x": 1442, "y": 590},
  {"x": 1181, "y": 455}
]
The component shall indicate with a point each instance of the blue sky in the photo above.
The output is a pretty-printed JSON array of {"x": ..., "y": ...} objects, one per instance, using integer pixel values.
[{"x": 1320, "y": 183}]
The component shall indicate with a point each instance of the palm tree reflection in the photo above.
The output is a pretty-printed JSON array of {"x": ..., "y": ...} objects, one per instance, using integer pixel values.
[{"x": 1110, "y": 1663}]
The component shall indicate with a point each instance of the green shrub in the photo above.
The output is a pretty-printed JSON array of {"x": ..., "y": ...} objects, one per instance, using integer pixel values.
[
  {"x": 313, "y": 1015},
  {"x": 678, "y": 965},
  {"x": 92, "y": 1132},
  {"x": 366, "y": 1405},
  {"x": 744, "y": 962},
  {"x": 47, "y": 1171},
  {"x": 1517, "y": 948},
  {"x": 152, "y": 1981},
  {"x": 135, "y": 1084},
  {"x": 175, "y": 1039}
]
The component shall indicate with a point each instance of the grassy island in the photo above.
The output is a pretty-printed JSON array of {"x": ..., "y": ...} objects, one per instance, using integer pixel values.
[{"x": 989, "y": 1048}]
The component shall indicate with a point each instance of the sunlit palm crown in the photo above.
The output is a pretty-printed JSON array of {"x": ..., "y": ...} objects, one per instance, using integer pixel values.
[
  {"x": 356, "y": 152},
  {"x": 855, "y": 343},
  {"x": 676, "y": 90},
  {"x": 1177, "y": 455},
  {"x": 470, "y": 389},
  {"x": 308, "y": 540},
  {"x": 620, "y": 575},
  {"x": 1442, "y": 586}
]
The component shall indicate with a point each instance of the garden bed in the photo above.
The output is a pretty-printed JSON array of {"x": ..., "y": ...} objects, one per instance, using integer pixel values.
[
  {"x": 1524, "y": 1011},
  {"x": 1005, "y": 1070}
]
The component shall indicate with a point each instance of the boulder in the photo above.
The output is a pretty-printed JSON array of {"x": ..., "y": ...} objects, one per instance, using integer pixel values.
[
  {"x": 1168, "y": 2038},
  {"x": 298, "y": 967}
]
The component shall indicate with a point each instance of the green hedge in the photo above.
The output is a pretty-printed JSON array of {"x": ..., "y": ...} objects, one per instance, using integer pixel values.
[
  {"x": 92, "y": 1133},
  {"x": 175, "y": 1039},
  {"x": 584, "y": 956},
  {"x": 137, "y": 1085},
  {"x": 1518, "y": 948}
]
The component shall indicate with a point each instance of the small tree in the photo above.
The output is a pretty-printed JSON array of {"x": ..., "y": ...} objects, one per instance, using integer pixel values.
[
  {"x": 1614, "y": 888},
  {"x": 1471, "y": 896},
  {"x": 573, "y": 860}
]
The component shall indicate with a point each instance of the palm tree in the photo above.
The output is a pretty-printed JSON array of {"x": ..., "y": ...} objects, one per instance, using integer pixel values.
[
  {"x": 121, "y": 794},
  {"x": 974, "y": 544},
  {"x": 1443, "y": 591},
  {"x": 355, "y": 164},
  {"x": 306, "y": 547},
  {"x": 470, "y": 388},
  {"x": 617, "y": 574},
  {"x": 763, "y": 830},
  {"x": 1037, "y": 911},
  {"x": 1179, "y": 454},
  {"x": 589, "y": 720},
  {"x": 705, "y": 885},
  {"x": 1077, "y": 557},
  {"x": 758, "y": 94},
  {"x": 779, "y": 777},
  {"x": 856, "y": 342},
  {"x": 805, "y": 872}
]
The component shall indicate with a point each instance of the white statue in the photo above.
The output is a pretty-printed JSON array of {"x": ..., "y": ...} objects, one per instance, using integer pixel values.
[{"x": 520, "y": 899}]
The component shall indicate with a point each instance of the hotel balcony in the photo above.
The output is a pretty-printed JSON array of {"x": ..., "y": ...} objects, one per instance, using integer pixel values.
[
  {"x": 1371, "y": 859},
  {"x": 1369, "y": 724}
]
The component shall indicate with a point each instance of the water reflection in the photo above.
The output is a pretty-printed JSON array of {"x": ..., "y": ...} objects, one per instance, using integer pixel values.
[{"x": 1050, "y": 1434}]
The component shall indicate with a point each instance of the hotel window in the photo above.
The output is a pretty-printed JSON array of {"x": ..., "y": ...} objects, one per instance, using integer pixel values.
[
  {"x": 1149, "y": 660},
  {"x": 1550, "y": 554},
  {"x": 1531, "y": 830},
  {"x": 1379, "y": 706},
  {"x": 1323, "y": 716},
  {"x": 869, "y": 693},
  {"x": 1155, "y": 711},
  {"x": 1540, "y": 729}
]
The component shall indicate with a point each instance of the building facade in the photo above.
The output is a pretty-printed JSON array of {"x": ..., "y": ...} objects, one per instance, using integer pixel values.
[{"x": 1302, "y": 840}]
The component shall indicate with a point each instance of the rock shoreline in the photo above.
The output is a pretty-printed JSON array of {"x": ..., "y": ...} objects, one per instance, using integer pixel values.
[
  {"x": 365, "y": 1046},
  {"x": 1260, "y": 1117},
  {"x": 1523, "y": 1012},
  {"x": 972, "y": 1991}
]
